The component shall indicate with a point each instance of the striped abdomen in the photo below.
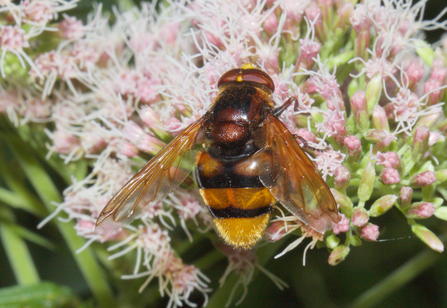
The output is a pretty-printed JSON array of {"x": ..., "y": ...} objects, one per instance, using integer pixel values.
[{"x": 237, "y": 200}]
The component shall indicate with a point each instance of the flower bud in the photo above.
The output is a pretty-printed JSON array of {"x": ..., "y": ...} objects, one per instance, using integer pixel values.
[
  {"x": 309, "y": 50},
  {"x": 342, "y": 225},
  {"x": 427, "y": 237},
  {"x": 276, "y": 231},
  {"x": 343, "y": 201},
  {"x": 271, "y": 24},
  {"x": 127, "y": 149},
  {"x": 361, "y": 44},
  {"x": 379, "y": 119},
  {"x": 332, "y": 241},
  {"x": 432, "y": 88},
  {"x": 375, "y": 135},
  {"x": 314, "y": 13},
  {"x": 343, "y": 15},
  {"x": 438, "y": 70},
  {"x": 370, "y": 232},
  {"x": 342, "y": 177},
  {"x": 382, "y": 205},
  {"x": 423, "y": 179},
  {"x": 133, "y": 132},
  {"x": 388, "y": 159},
  {"x": 354, "y": 147},
  {"x": 150, "y": 144},
  {"x": 373, "y": 92},
  {"x": 428, "y": 120},
  {"x": 441, "y": 213},
  {"x": 149, "y": 117},
  {"x": 420, "y": 143},
  {"x": 389, "y": 176},
  {"x": 421, "y": 210},
  {"x": 338, "y": 255},
  {"x": 415, "y": 71},
  {"x": 359, "y": 110},
  {"x": 367, "y": 183},
  {"x": 359, "y": 217},
  {"x": 405, "y": 195}
]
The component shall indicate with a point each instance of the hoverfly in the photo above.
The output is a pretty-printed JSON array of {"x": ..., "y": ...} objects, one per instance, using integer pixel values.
[{"x": 248, "y": 162}]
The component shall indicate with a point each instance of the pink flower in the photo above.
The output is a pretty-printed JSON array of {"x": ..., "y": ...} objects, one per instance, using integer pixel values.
[
  {"x": 388, "y": 159},
  {"x": 13, "y": 38},
  {"x": 358, "y": 103},
  {"x": 360, "y": 20},
  {"x": 309, "y": 50},
  {"x": 342, "y": 177},
  {"x": 379, "y": 118},
  {"x": 359, "y": 217},
  {"x": 145, "y": 91},
  {"x": 415, "y": 71},
  {"x": 342, "y": 225},
  {"x": 271, "y": 24},
  {"x": 55, "y": 63},
  {"x": 38, "y": 11},
  {"x": 306, "y": 135},
  {"x": 389, "y": 176},
  {"x": 421, "y": 210},
  {"x": 432, "y": 87},
  {"x": 329, "y": 161},
  {"x": 71, "y": 28},
  {"x": 405, "y": 196},
  {"x": 334, "y": 124},
  {"x": 370, "y": 232},
  {"x": 64, "y": 141},
  {"x": 354, "y": 145},
  {"x": 423, "y": 179}
]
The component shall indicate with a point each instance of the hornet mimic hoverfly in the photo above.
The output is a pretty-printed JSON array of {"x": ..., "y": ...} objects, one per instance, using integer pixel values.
[{"x": 248, "y": 162}]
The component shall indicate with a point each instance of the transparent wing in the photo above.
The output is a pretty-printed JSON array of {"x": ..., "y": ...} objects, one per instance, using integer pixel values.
[
  {"x": 163, "y": 173},
  {"x": 292, "y": 178}
]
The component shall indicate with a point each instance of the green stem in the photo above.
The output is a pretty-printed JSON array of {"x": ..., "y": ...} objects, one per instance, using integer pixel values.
[
  {"x": 48, "y": 193},
  {"x": 399, "y": 278},
  {"x": 220, "y": 297},
  {"x": 18, "y": 196},
  {"x": 18, "y": 255}
]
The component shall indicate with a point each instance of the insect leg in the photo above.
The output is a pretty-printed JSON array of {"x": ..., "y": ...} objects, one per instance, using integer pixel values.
[
  {"x": 277, "y": 111},
  {"x": 307, "y": 148}
]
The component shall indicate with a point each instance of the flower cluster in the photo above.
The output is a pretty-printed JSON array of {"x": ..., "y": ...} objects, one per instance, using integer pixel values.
[{"x": 369, "y": 95}]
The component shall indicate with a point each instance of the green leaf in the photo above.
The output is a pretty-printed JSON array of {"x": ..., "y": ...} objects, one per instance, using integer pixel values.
[
  {"x": 32, "y": 237},
  {"x": 39, "y": 295},
  {"x": 19, "y": 202},
  {"x": 48, "y": 193},
  {"x": 441, "y": 213},
  {"x": 18, "y": 196},
  {"x": 18, "y": 255}
]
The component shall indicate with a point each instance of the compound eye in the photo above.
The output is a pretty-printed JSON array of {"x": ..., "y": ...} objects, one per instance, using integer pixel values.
[{"x": 252, "y": 75}]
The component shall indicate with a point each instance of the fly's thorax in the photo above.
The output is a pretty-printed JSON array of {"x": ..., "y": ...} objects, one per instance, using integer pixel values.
[
  {"x": 237, "y": 110},
  {"x": 240, "y": 102}
]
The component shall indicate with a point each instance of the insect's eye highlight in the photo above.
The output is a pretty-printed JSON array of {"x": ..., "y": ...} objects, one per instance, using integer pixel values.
[{"x": 251, "y": 74}]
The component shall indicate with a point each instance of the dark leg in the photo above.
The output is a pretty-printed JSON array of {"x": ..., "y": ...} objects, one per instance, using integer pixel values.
[
  {"x": 277, "y": 111},
  {"x": 306, "y": 147}
]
